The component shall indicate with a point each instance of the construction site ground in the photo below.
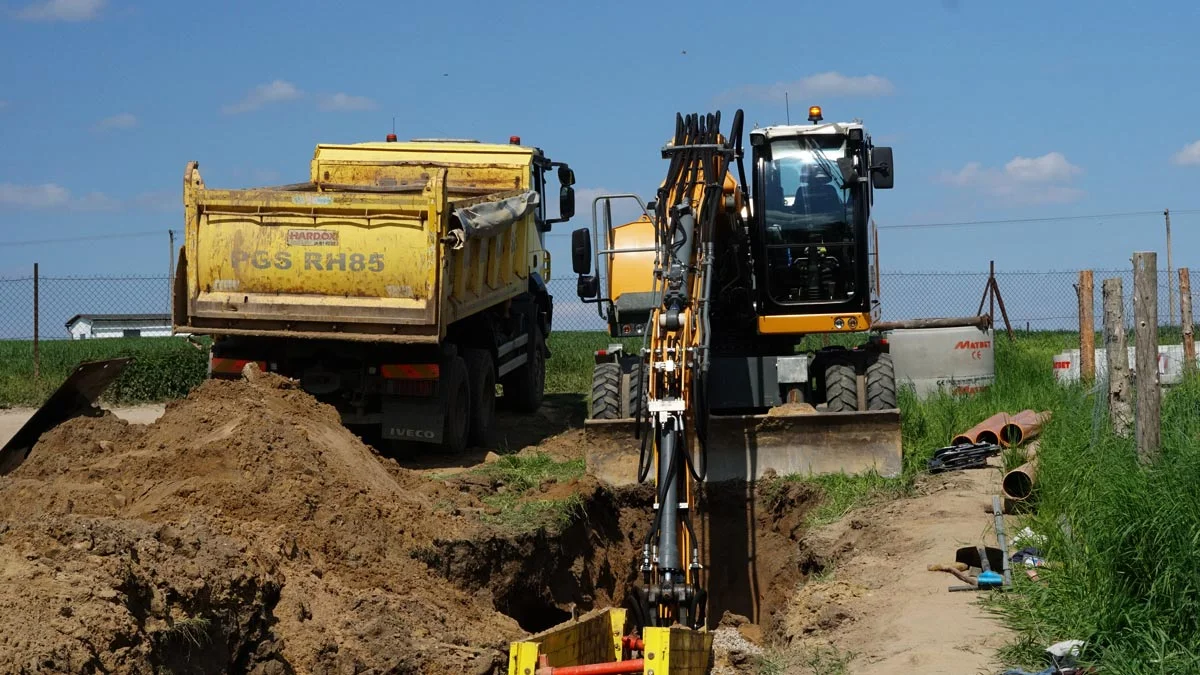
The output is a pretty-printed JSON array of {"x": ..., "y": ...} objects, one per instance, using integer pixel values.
[{"x": 243, "y": 529}]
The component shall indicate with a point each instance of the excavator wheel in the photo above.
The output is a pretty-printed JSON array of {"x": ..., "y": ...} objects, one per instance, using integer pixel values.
[
  {"x": 456, "y": 402},
  {"x": 635, "y": 395},
  {"x": 482, "y": 378},
  {"x": 841, "y": 387},
  {"x": 606, "y": 391},
  {"x": 881, "y": 383}
]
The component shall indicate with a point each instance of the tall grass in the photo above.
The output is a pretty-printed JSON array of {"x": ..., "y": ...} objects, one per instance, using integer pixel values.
[{"x": 1123, "y": 539}]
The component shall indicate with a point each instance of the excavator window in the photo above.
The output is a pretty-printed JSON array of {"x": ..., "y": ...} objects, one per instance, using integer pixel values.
[{"x": 809, "y": 222}]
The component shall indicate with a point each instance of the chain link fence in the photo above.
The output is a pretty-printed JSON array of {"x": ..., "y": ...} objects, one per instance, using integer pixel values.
[{"x": 116, "y": 306}]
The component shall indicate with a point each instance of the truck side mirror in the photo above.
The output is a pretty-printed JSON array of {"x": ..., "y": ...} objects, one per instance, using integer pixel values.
[
  {"x": 566, "y": 176},
  {"x": 581, "y": 251},
  {"x": 566, "y": 202},
  {"x": 882, "y": 171}
]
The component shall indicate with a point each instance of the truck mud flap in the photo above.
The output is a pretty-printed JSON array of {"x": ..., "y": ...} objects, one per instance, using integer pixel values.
[
  {"x": 419, "y": 420},
  {"x": 745, "y": 447},
  {"x": 74, "y": 397}
]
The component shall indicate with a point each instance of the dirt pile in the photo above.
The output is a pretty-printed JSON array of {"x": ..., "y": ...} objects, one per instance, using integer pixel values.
[{"x": 244, "y": 531}]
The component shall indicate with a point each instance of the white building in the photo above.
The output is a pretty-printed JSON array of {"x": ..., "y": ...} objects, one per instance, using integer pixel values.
[{"x": 89, "y": 326}]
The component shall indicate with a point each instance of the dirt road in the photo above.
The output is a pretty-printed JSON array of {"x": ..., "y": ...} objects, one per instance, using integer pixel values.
[
  {"x": 12, "y": 418},
  {"x": 880, "y": 608}
]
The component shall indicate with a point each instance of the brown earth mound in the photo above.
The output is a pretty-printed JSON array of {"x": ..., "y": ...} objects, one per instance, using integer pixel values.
[{"x": 246, "y": 530}]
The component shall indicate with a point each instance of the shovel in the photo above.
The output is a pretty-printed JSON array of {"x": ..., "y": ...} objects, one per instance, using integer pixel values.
[{"x": 983, "y": 557}]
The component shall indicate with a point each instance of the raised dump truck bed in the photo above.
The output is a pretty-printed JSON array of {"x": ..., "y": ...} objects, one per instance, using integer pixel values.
[{"x": 396, "y": 271}]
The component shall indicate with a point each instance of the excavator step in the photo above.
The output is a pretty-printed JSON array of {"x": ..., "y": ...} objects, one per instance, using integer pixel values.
[{"x": 745, "y": 447}]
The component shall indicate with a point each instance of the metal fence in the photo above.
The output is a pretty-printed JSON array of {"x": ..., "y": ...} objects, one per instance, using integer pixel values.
[{"x": 1034, "y": 300}]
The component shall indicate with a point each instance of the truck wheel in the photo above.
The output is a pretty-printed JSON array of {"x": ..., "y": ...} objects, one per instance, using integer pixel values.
[
  {"x": 482, "y": 378},
  {"x": 841, "y": 388},
  {"x": 881, "y": 384},
  {"x": 456, "y": 405},
  {"x": 525, "y": 387},
  {"x": 606, "y": 391}
]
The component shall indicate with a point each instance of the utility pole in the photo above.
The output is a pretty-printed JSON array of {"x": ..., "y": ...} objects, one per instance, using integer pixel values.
[
  {"x": 1170, "y": 281},
  {"x": 170, "y": 267}
]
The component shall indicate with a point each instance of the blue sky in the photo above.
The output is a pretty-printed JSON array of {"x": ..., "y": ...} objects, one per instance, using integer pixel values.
[{"x": 995, "y": 110}]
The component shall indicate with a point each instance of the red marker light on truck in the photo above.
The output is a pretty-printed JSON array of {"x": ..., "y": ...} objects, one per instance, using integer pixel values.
[
  {"x": 410, "y": 371},
  {"x": 391, "y": 138},
  {"x": 514, "y": 140}
]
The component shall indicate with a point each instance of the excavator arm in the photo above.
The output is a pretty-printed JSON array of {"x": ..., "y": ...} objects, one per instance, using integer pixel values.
[{"x": 698, "y": 196}]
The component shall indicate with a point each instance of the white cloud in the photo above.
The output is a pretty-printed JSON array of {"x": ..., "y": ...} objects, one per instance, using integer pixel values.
[
  {"x": 119, "y": 121},
  {"x": 41, "y": 196},
  {"x": 277, "y": 91},
  {"x": 345, "y": 102},
  {"x": 53, "y": 195},
  {"x": 820, "y": 85},
  {"x": 1023, "y": 180},
  {"x": 61, "y": 10},
  {"x": 1190, "y": 154}
]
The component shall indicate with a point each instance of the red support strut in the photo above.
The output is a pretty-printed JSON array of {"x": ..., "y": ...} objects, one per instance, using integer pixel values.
[{"x": 613, "y": 668}]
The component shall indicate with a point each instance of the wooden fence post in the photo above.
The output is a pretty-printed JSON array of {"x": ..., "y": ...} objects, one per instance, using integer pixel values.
[
  {"x": 1120, "y": 412},
  {"x": 1087, "y": 327},
  {"x": 1185, "y": 316},
  {"x": 1145, "y": 334}
]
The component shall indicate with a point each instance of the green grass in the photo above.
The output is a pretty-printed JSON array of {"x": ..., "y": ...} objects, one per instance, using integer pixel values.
[
  {"x": 1124, "y": 539},
  {"x": 163, "y": 368},
  {"x": 569, "y": 369},
  {"x": 521, "y": 474}
]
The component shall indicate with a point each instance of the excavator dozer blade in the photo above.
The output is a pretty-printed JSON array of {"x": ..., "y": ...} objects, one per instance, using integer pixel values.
[
  {"x": 74, "y": 397},
  {"x": 745, "y": 447}
]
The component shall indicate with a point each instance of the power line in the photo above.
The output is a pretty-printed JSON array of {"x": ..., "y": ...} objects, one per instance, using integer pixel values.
[{"x": 88, "y": 237}]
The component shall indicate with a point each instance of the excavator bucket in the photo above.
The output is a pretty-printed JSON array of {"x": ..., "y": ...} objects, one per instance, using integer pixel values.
[
  {"x": 745, "y": 447},
  {"x": 74, "y": 397}
]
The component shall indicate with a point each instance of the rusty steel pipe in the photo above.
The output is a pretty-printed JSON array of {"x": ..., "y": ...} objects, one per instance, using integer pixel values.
[
  {"x": 1025, "y": 425},
  {"x": 611, "y": 668},
  {"x": 982, "y": 322},
  {"x": 987, "y": 431}
]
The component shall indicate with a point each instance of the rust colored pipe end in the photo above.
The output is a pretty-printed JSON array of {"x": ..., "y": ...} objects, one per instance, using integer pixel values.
[{"x": 1018, "y": 483}]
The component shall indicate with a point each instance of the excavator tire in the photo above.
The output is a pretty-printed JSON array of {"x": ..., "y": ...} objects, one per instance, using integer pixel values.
[
  {"x": 881, "y": 384},
  {"x": 606, "y": 391},
  {"x": 482, "y": 377},
  {"x": 456, "y": 402},
  {"x": 841, "y": 387},
  {"x": 636, "y": 396}
]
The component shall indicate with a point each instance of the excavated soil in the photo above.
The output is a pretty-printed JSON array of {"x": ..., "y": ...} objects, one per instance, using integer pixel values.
[{"x": 247, "y": 531}]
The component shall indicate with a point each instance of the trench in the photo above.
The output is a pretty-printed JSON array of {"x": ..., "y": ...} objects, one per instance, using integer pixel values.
[{"x": 756, "y": 560}]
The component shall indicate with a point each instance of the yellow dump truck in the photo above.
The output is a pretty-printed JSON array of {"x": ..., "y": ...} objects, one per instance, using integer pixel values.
[{"x": 400, "y": 284}]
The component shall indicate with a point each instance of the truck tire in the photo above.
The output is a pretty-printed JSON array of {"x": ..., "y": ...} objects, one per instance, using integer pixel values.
[
  {"x": 482, "y": 377},
  {"x": 456, "y": 405},
  {"x": 525, "y": 387},
  {"x": 881, "y": 383},
  {"x": 606, "y": 391},
  {"x": 841, "y": 387}
]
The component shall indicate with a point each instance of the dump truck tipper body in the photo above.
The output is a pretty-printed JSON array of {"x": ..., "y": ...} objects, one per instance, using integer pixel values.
[{"x": 400, "y": 283}]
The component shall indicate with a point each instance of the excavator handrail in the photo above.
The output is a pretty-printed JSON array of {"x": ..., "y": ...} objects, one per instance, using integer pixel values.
[{"x": 607, "y": 249}]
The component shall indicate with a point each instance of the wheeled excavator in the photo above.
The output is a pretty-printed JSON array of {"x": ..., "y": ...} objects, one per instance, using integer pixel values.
[{"x": 722, "y": 278}]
